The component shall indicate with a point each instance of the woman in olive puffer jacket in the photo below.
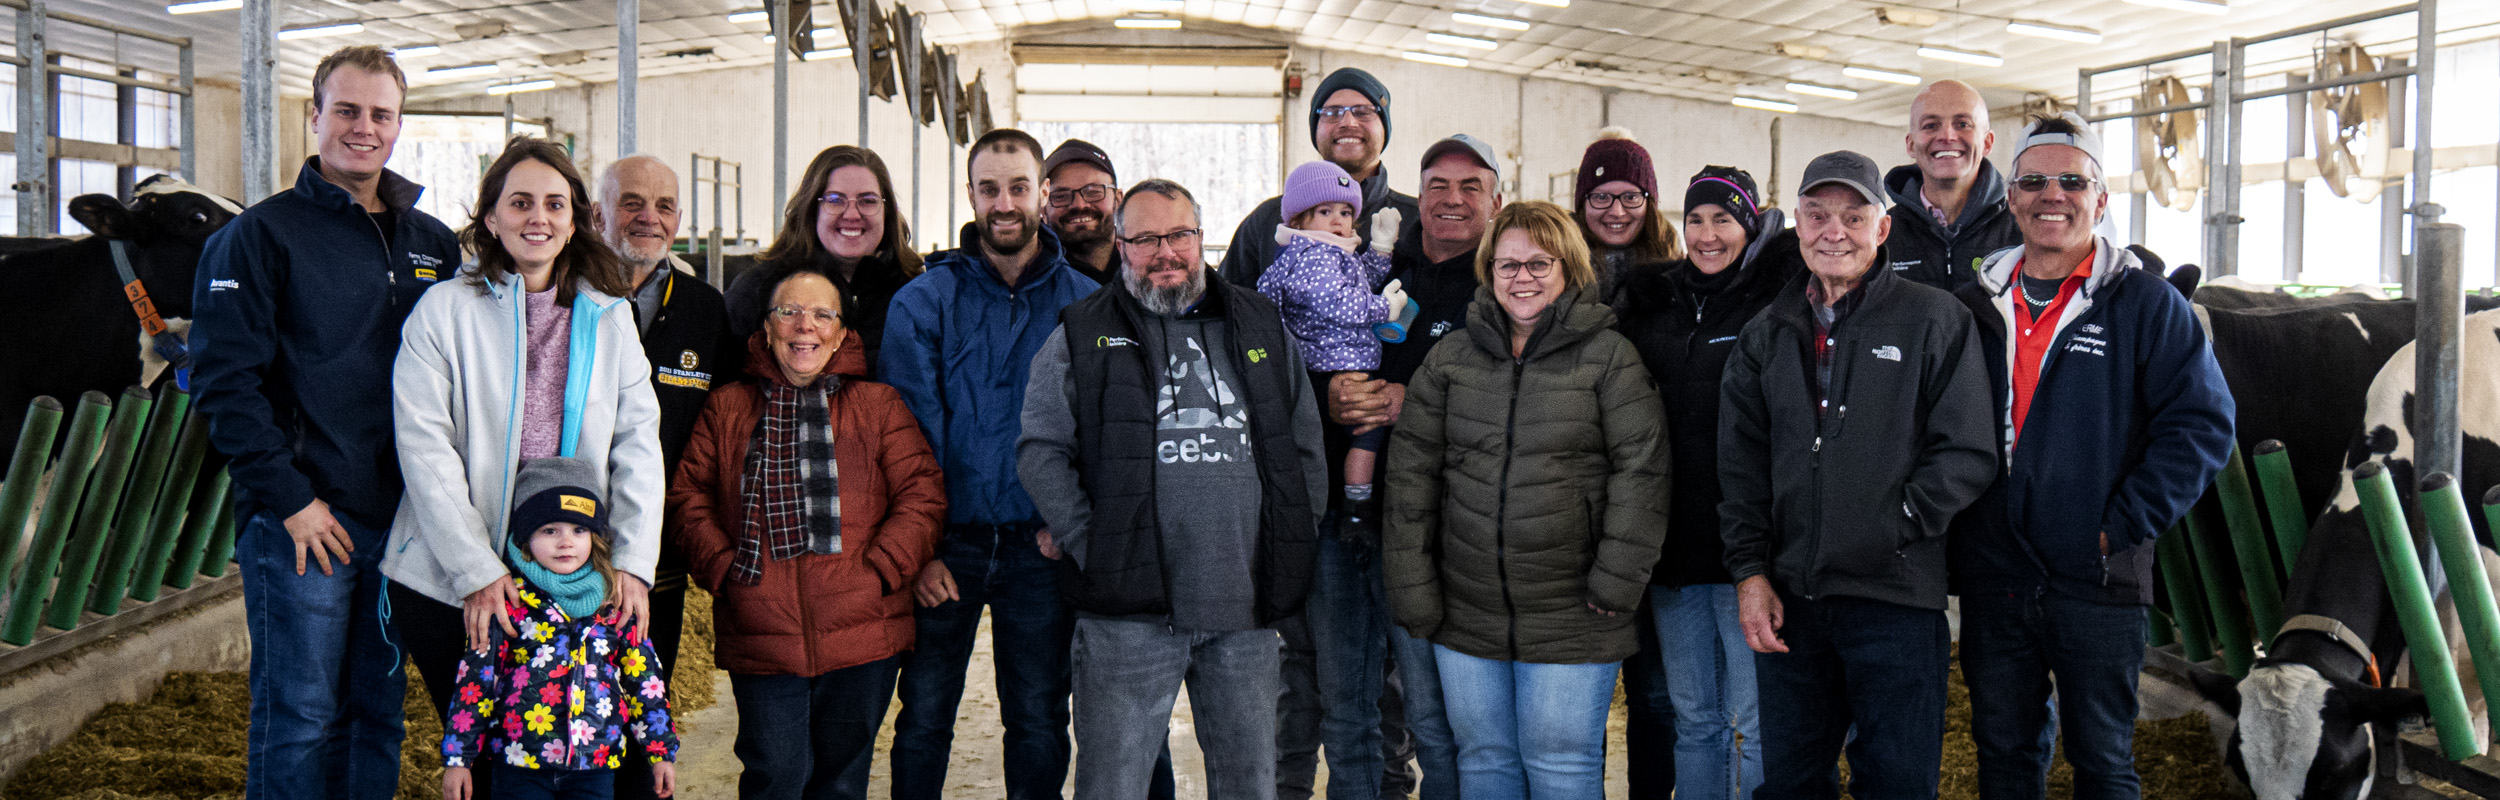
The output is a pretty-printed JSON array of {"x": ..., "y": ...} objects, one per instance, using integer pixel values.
[{"x": 1526, "y": 491}]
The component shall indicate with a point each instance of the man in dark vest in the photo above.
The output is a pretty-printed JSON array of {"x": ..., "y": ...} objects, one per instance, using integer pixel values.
[{"x": 1172, "y": 443}]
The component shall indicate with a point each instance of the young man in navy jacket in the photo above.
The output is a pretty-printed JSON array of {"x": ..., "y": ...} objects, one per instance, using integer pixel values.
[{"x": 2114, "y": 417}]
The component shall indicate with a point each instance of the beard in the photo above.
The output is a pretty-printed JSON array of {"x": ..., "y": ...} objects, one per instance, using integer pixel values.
[
  {"x": 1024, "y": 237},
  {"x": 624, "y": 247},
  {"x": 1086, "y": 239},
  {"x": 1167, "y": 301}
]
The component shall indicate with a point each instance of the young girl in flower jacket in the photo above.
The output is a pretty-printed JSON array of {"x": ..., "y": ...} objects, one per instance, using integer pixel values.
[{"x": 556, "y": 709}]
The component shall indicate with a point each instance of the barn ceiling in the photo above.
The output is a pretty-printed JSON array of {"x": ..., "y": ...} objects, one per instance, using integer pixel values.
[{"x": 1703, "y": 49}]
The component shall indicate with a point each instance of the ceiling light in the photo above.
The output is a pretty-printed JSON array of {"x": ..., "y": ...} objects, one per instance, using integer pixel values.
[
  {"x": 2063, "y": 34},
  {"x": 416, "y": 51},
  {"x": 2191, "y": 6},
  {"x": 1461, "y": 41},
  {"x": 318, "y": 31},
  {"x": 1960, "y": 57},
  {"x": 1766, "y": 105},
  {"x": 524, "y": 86},
  {"x": 461, "y": 72},
  {"x": 820, "y": 55},
  {"x": 1554, "y": 3},
  {"x": 1887, "y": 76},
  {"x": 204, "y": 6},
  {"x": 1146, "y": 23},
  {"x": 744, "y": 17},
  {"x": 1172, "y": 6},
  {"x": 1504, "y": 23},
  {"x": 1435, "y": 58},
  {"x": 1822, "y": 91}
]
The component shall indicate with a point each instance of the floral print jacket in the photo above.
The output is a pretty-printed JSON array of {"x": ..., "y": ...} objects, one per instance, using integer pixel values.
[{"x": 566, "y": 694}]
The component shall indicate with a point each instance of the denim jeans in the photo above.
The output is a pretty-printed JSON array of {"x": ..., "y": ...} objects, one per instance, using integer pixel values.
[
  {"x": 1527, "y": 730},
  {"x": 1127, "y": 675},
  {"x": 1648, "y": 718},
  {"x": 1349, "y": 614},
  {"x": 998, "y": 567},
  {"x": 799, "y": 736},
  {"x": 325, "y": 683},
  {"x": 1852, "y": 661},
  {"x": 1710, "y": 677},
  {"x": 2011, "y": 645},
  {"x": 523, "y": 783}
]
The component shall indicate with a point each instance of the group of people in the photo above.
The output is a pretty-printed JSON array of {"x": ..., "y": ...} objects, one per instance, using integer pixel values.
[{"x": 1410, "y": 481}]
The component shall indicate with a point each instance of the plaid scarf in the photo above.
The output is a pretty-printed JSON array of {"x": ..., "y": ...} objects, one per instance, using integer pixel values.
[{"x": 792, "y": 505}]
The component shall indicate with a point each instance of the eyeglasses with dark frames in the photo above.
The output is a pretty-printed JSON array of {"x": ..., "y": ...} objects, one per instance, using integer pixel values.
[
  {"x": 1536, "y": 267},
  {"x": 1180, "y": 240},
  {"x": 1364, "y": 113},
  {"x": 1091, "y": 193},
  {"x": 1632, "y": 201}
]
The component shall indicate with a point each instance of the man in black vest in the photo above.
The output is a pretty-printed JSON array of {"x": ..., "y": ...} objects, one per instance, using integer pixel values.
[{"x": 1172, "y": 443}]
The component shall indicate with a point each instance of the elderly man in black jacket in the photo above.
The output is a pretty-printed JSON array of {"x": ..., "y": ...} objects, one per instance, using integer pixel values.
[{"x": 1835, "y": 525}]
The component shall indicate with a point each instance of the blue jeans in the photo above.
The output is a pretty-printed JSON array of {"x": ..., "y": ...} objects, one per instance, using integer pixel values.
[
  {"x": 325, "y": 684},
  {"x": 522, "y": 783},
  {"x": 798, "y": 737},
  {"x": 1852, "y": 661},
  {"x": 1001, "y": 568},
  {"x": 2011, "y": 645},
  {"x": 1127, "y": 674},
  {"x": 1710, "y": 677},
  {"x": 1527, "y": 730},
  {"x": 1349, "y": 614}
]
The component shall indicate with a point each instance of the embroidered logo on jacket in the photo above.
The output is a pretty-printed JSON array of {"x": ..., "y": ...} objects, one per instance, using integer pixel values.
[
  {"x": 686, "y": 359},
  {"x": 1114, "y": 341},
  {"x": 1888, "y": 353}
]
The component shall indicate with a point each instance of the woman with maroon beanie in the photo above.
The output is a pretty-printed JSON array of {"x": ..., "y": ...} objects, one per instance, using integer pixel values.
[{"x": 1616, "y": 201}]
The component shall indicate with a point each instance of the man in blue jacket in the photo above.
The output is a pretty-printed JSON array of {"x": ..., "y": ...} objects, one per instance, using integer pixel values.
[
  {"x": 2113, "y": 419},
  {"x": 298, "y": 307},
  {"x": 959, "y": 341}
]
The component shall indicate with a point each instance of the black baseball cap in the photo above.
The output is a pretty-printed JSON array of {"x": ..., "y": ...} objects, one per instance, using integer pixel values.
[{"x": 1078, "y": 151}]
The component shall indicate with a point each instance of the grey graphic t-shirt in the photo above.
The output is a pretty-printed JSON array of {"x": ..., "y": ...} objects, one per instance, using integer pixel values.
[{"x": 1206, "y": 480}]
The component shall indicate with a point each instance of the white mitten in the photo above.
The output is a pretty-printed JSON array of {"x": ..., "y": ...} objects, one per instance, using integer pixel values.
[
  {"x": 1385, "y": 229},
  {"x": 1395, "y": 292}
]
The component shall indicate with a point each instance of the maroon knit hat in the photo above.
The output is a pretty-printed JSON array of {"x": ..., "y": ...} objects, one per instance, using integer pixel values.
[{"x": 1614, "y": 157}]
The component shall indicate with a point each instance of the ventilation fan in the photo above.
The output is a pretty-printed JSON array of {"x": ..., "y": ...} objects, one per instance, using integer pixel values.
[
  {"x": 2165, "y": 145},
  {"x": 2350, "y": 125}
]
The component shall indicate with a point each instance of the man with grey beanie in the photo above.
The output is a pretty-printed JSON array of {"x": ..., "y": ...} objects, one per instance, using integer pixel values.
[{"x": 1350, "y": 128}]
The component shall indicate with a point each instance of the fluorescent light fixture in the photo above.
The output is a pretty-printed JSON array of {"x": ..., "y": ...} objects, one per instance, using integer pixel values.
[
  {"x": 1173, "y": 6},
  {"x": 1146, "y": 23},
  {"x": 1504, "y": 23},
  {"x": 417, "y": 51},
  {"x": 2060, "y": 33},
  {"x": 1554, "y": 3},
  {"x": 2190, "y": 6},
  {"x": 820, "y": 55},
  {"x": 744, "y": 17},
  {"x": 1960, "y": 57},
  {"x": 1766, "y": 105},
  {"x": 1461, "y": 41},
  {"x": 1887, "y": 76},
  {"x": 203, "y": 6},
  {"x": 462, "y": 72},
  {"x": 524, "y": 86},
  {"x": 1435, "y": 58},
  {"x": 1822, "y": 91},
  {"x": 319, "y": 31}
]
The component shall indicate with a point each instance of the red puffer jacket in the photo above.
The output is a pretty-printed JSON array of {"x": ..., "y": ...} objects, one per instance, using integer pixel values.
[{"x": 814, "y": 613}]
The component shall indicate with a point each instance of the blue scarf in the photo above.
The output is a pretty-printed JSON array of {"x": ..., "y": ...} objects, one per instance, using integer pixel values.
[{"x": 579, "y": 594}]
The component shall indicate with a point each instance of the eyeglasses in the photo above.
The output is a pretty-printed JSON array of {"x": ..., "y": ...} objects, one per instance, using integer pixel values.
[
  {"x": 867, "y": 203},
  {"x": 1537, "y": 268},
  {"x": 1091, "y": 192},
  {"x": 1364, "y": 113},
  {"x": 788, "y": 316},
  {"x": 1632, "y": 200},
  {"x": 1180, "y": 240},
  {"x": 2036, "y": 182}
]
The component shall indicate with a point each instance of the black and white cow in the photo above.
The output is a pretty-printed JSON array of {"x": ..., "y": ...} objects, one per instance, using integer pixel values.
[
  {"x": 69, "y": 329},
  {"x": 2306, "y": 712}
]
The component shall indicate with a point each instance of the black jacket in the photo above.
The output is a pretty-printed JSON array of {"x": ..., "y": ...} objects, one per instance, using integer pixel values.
[
  {"x": 865, "y": 298},
  {"x": 691, "y": 352},
  {"x": 1854, "y": 501},
  {"x": 1685, "y": 326},
  {"x": 1947, "y": 259},
  {"x": 1254, "y": 240}
]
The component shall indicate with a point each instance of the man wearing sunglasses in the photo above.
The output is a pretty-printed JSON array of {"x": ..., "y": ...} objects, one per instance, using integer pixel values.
[
  {"x": 2113, "y": 419},
  {"x": 1350, "y": 128},
  {"x": 1948, "y": 204},
  {"x": 1084, "y": 189}
]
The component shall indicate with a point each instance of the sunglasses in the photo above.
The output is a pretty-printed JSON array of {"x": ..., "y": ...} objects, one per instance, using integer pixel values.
[{"x": 2036, "y": 182}]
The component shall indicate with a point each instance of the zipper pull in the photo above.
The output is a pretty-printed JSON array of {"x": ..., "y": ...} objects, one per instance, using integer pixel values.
[{"x": 1818, "y": 445}]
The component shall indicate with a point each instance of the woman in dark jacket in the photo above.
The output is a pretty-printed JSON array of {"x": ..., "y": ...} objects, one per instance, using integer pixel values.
[
  {"x": 1616, "y": 197},
  {"x": 1527, "y": 481},
  {"x": 844, "y": 224},
  {"x": 808, "y": 502},
  {"x": 1684, "y": 321}
]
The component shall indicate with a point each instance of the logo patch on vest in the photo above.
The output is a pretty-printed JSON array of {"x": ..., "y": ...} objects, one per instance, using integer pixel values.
[
  {"x": 1258, "y": 355},
  {"x": 1114, "y": 341},
  {"x": 1888, "y": 353}
]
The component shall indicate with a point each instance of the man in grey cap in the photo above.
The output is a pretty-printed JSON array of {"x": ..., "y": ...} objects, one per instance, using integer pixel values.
[
  {"x": 1084, "y": 189},
  {"x": 1834, "y": 522},
  {"x": 1350, "y": 128}
]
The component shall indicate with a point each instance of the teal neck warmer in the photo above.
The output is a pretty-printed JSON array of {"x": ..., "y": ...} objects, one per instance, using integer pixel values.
[{"x": 579, "y": 594}]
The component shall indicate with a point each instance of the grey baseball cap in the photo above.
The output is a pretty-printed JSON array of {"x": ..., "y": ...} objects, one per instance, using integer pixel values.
[
  {"x": 1851, "y": 169},
  {"x": 1472, "y": 146},
  {"x": 2082, "y": 139}
]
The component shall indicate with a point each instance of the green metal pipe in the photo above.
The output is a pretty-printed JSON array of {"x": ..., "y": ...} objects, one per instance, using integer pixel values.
[
  {"x": 2469, "y": 587},
  {"x": 2159, "y": 632},
  {"x": 2425, "y": 642},
  {"x": 2283, "y": 504},
  {"x": 69, "y": 481},
  {"x": 2248, "y": 541},
  {"x": 136, "y": 517},
  {"x": 17, "y": 493},
  {"x": 2229, "y": 616},
  {"x": 95, "y": 512},
  {"x": 171, "y": 502},
  {"x": 196, "y": 531},
  {"x": 220, "y": 541},
  {"x": 2187, "y": 595}
]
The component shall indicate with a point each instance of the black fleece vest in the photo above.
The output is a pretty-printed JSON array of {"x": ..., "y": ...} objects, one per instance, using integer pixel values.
[{"x": 1115, "y": 371}]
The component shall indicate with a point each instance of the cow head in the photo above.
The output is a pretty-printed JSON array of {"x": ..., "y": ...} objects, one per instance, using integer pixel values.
[
  {"x": 169, "y": 221},
  {"x": 2303, "y": 735}
]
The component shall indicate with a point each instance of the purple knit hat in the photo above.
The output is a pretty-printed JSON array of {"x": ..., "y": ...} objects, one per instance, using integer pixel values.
[
  {"x": 1614, "y": 157},
  {"x": 1320, "y": 182}
]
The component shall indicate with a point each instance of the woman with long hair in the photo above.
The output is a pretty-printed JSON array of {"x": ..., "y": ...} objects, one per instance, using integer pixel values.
[
  {"x": 1616, "y": 203},
  {"x": 843, "y": 223}
]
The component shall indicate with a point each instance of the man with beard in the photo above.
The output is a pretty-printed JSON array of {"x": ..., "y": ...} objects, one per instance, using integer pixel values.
[
  {"x": 685, "y": 333},
  {"x": 1350, "y": 127},
  {"x": 1083, "y": 191},
  {"x": 958, "y": 340},
  {"x": 1173, "y": 443}
]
